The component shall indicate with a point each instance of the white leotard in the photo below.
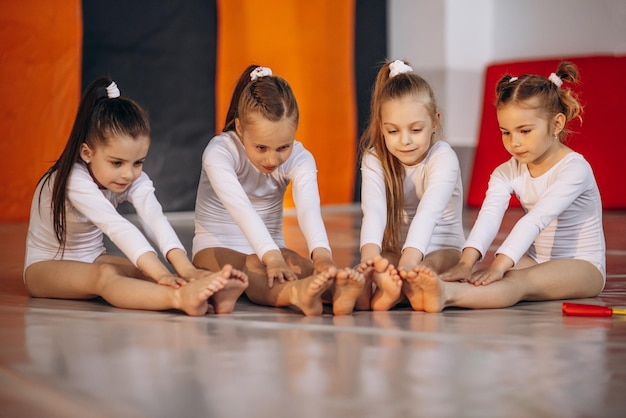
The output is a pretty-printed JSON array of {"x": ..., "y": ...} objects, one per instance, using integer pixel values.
[
  {"x": 433, "y": 202},
  {"x": 90, "y": 212},
  {"x": 240, "y": 208},
  {"x": 563, "y": 213}
]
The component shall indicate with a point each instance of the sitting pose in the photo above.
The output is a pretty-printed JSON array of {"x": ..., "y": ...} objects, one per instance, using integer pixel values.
[
  {"x": 239, "y": 206},
  {"x": 412, "y": 195},
  {"x": 556, "y": 250},
  {"x": 75, "y": 203}
]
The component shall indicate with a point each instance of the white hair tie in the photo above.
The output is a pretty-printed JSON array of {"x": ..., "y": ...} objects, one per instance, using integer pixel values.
[
  {"x": 259, "y": 72},
  {"x": 112, "y": 91},
  {"x": 398, "y": 67},
  {"x": 512, "y": 79},
  {"x": 555, "y": 79}
]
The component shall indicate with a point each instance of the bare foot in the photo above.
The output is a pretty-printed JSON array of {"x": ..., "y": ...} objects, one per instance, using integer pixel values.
[
  {"x": 306, "y": 294},
  {"x": 388, "y": 285},
  {"x": 364, "y": 301},
  {"x": 348, "y": 286},
  {"x": 193, "y": 298},
  {"x": 236, "y": 283},
  {"x": 411, "y": 289},
  {"x": 432, "y": 289}
]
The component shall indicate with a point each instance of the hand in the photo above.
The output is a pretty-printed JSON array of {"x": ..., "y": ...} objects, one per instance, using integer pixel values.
[
  {"x": 486, "y": 276},
  {"x": 277, "y": 268},
  {"x": 460, "y": 272},
  {"x": 171, "y": 280},
  {"x": 280, "y": 272},
  {"x": 410, "y": 258},
  {"x": 322, "y": 260},
  {"x": 494, "y": 272}
]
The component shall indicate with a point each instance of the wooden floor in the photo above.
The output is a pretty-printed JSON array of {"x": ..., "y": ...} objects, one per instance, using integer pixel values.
[{"x": 87, "y": 359}]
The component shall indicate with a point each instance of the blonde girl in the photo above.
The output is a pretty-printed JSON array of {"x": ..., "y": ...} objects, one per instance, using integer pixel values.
[{"x": 412, "y": 194}]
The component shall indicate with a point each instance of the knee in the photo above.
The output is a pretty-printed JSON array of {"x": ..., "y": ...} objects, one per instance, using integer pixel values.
[
  {"x": 31, "y": 285},
  {"x": 104, "y": 275}
]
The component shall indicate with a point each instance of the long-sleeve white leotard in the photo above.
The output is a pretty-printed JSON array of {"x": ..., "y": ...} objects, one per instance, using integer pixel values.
[
  {"x": 90, "y": 212},
  {"x": 563, "y": 213},
  {"x": 433, "y": 201},
  {"x": 240, "y": 208}
]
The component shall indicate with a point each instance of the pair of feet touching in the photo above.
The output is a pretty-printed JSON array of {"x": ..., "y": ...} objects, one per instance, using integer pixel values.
[
  {"x": 343, "y": 287},
  {"x": 420, "y": 286},
  {"x": 222, "y": 289}
]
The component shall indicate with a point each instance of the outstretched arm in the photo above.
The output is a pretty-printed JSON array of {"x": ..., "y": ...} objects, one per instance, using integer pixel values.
[
  {"x": 463, "y": 270},
  {"x": 494, "y": 272},
  {"x": 277, "y": 268},
  {"x": 150, "y": 264},
  {"x": 184, "y": 267}
]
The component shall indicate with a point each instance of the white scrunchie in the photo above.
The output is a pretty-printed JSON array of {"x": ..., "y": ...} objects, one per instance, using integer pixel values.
[
  {"x": 512, "y": 79},
  {"x": 259, "y": 72},
  {"x": 555, "y": 79},
  {"x": 112, "y": 91},
  {"x": 398, "y": 67}
]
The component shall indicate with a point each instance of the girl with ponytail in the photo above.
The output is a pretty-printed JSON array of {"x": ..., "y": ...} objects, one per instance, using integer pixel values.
[{"x": 75, "y": 204}]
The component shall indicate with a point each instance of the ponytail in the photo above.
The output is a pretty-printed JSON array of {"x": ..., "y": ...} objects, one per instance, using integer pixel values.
[
  {"x": 552, "y": 97},
  {"x": 102, "y": 113},
  {"x": 257, "y": 90}
]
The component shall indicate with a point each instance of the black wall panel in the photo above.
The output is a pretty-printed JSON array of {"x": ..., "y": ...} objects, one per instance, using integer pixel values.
[
  {"x": 161, "y": 54},
  {"x": 370, "y": 52}
]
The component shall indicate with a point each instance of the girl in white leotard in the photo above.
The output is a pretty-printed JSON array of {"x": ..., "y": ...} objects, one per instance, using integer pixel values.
[
  {"x": 557, "y": 249},
  {"x": 75, "y": 204},
  {"x": 239, "y": 206},
  {"x": 412, "y": 195}
]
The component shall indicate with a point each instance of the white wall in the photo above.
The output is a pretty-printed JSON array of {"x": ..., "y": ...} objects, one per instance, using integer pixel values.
[{"x": 450, "y": 42}]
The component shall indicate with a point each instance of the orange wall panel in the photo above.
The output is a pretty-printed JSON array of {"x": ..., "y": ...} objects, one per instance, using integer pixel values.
[
  {"x": 40, "y": 53},
  {"x": 311, "y": 45}
]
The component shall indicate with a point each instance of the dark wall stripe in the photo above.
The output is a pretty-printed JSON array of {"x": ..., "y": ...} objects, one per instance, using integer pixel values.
[
  {"x": 370, "y": 51},
  {"x": 162, "y": 54}
]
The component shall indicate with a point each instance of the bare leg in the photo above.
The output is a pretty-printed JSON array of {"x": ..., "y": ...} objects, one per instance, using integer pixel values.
[
  {"x": 213, "y": 259},
  {"x": 348, "y": 287},
  {"x": 437, "y": 262},
  {"x": 77, "y": 280},
  {"x": 388, "y": 283},
  {"x": 553, "y": 280},
  {"x": 304, "y": 294}
]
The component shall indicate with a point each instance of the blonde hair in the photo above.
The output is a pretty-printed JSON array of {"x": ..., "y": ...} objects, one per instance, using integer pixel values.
[{"x": 372, "y": 141}]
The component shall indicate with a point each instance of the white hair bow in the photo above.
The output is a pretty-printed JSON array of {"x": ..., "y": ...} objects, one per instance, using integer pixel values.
[
  {"x": 113, "y": 91},
  {"x": 555, "y": 79},
  {"x": 398, "y": 67},
  {"x": 259, "y": 72}
]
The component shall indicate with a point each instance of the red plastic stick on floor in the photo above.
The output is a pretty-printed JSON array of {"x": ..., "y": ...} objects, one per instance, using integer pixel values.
[{"x": 579, "y": 309}]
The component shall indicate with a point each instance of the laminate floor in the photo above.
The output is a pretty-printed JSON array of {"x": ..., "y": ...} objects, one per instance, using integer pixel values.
[{"x": 61, "y": 358}]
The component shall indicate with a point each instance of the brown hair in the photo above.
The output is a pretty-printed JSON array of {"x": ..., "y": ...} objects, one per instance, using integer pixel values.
[
  {"x": 372, "y": 141},
  {"x": 271, "y": 96},
  {"x": 552, "y": 99},
  {"x": 98, "y": 118}
]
